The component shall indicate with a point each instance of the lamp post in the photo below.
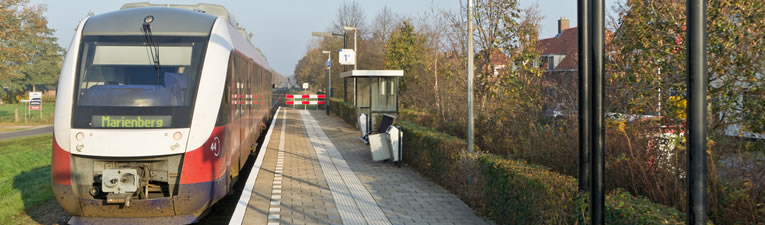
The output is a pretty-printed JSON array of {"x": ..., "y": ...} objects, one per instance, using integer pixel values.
[
  {"x": 470, "y": 123},
  {"x": 329, "y": 80}
]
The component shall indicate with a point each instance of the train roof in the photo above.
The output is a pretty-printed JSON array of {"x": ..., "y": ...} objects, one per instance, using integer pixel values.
[
  {"x": 167, "y": 22},
  {"x": 212, "y": 9}
]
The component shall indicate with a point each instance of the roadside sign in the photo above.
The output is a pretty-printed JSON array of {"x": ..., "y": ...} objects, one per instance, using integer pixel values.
[
  {"x": 347, "y": 57},
  {"x": 329, "y": 64},
  {"x": 35, "y": 100},
  {"x": 305, "y": 86},
  {"x": 35, "y": 94},
  {"x": 35, "y": 104}
]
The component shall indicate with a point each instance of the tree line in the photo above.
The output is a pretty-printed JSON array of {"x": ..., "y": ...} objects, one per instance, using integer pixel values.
[{"x": 30, "y": 57}]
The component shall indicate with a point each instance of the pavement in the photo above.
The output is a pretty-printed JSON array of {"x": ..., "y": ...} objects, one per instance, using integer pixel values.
[
  {"x": 29, "y": 132},
  {"x": 315, "y": 170}
]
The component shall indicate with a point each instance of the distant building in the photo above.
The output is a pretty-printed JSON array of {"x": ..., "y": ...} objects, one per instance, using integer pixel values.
[
  {"x": 560, "y": 53},
  {"x": 559, "y": 58}
]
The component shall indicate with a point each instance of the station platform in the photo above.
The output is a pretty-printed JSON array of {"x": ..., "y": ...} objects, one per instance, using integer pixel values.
[{"x": 315, "y": 170}]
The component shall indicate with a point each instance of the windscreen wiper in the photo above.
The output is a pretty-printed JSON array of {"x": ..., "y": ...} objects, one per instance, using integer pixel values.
[{"x": 152, "y": 46}]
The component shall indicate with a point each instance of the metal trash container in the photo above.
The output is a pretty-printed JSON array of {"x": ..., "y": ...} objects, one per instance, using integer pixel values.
[
  {"x": 384, "y": 146},
  {"x": 379, "y": 145},
  {"x": 395, "y": 136},
  {"x": 363, "y": 127}
]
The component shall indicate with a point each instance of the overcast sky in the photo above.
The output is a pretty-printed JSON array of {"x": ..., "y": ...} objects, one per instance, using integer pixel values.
[{"x": 282, "y": 28}]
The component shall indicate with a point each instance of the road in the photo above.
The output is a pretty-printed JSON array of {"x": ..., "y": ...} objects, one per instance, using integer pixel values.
[{"x": 24, "y": 133}]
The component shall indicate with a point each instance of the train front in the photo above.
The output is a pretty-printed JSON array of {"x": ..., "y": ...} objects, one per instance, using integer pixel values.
[{"x": 137, "y": 103}]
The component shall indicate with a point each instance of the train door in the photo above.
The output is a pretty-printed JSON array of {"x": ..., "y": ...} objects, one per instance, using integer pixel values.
[
  {"x": 259, "y": 98},
  {"x": 233, "y": 125},
  {"x": 240, "y": 107},
  {"x": 256, "y": 105},
  {"x": 246, "y": 139}
]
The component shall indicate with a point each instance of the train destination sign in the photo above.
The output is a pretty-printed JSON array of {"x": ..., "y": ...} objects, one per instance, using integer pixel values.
[{"x": 122, "y": 121}]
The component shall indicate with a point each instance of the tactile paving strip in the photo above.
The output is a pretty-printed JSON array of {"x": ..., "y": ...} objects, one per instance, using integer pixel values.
[{"x": 354, "y": 202}]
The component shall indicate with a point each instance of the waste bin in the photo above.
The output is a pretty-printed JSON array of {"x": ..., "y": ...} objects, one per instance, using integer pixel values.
[
  {"x": 395, "y": 136},
  {"x": 384, "y": 146},
  {"x": 379, "y": 145},
  {"x": 363, "y": 127}
]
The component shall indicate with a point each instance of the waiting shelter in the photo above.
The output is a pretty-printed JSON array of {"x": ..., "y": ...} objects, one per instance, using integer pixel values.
[{"x": 375, "y": 92}]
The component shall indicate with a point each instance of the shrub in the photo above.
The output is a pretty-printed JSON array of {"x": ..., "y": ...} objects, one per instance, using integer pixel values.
[
  {"x": 625, "y": 208},
  {"x": 515, "y": 192},
  {"x": 521, "y": 193},
  {"x": 344, "y": 110},
  {"x": 443, "y": 159}
]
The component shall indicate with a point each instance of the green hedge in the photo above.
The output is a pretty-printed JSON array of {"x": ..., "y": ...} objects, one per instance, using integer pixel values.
[
  {"x": 344, "y": 110},
  {"x": 441, "y": 151},
  {"x": 527, "y": 194},
  {"x": 514, "y": 192}
]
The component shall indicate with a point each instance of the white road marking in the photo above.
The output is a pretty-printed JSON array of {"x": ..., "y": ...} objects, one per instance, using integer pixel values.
[
  {"x": 276, "y": 189},
  {"x": 244, "y": 199}
]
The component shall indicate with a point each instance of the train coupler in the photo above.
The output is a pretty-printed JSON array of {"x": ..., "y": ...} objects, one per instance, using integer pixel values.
[{"x": 123, "y": 198}]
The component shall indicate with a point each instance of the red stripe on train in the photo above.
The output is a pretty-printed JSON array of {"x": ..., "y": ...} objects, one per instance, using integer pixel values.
[
  {"x": 60, "y": 165},
  {"x": 206, "y": 163}
]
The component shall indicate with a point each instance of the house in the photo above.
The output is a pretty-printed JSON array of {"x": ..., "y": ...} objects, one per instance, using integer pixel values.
[
  {"x": 559, "y": 53},
  {"x": 559, "y": 59}
]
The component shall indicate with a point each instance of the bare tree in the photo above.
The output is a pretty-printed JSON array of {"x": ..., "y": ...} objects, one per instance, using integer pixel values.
[
  {"x": 381, "y": 29},
  {"x": 349, "y": 14},
  {"x": 383, "y": 25}
]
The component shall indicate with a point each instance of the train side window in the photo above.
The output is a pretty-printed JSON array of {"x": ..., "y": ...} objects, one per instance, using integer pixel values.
[
  {"x": 235, "y": 68},
  {"x": 225, "y": 104},
  {"x": 249, "y": 89},
  {"x": 257, "y": 84},
  {"x": 241, "y": 71}
]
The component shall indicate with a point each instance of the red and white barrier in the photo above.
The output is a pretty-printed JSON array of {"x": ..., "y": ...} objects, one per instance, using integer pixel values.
[{"x": 298, "y": 99}]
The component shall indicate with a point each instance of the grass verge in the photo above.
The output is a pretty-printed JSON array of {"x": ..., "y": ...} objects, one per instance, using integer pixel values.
[{"x": 24, "y": 176}]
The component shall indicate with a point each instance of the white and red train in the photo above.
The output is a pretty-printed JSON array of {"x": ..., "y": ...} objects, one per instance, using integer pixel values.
[{"x": 158, "y": 108}]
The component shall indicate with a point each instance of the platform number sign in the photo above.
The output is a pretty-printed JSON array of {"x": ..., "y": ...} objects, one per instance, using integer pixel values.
[{"x": 347, "y": 57}]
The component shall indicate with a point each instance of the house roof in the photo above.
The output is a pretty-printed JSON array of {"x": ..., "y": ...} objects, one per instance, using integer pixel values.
[
  {"x": 564, "y": 43},
  {"x": 496, "y": 57}
]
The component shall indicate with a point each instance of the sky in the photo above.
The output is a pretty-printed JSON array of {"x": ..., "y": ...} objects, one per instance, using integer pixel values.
[{"x": 282, "y": 28}]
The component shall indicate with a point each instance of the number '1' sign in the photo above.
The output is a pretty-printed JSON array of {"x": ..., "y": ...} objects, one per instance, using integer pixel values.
[{"x": 346, "y": 57}]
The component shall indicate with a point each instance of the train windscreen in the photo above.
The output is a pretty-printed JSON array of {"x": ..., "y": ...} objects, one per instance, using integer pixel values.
[{"x": 136, "y": 82}]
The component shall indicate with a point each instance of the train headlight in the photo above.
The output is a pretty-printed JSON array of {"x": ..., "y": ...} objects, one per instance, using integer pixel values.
[
  {"x": 79, "y": 136},
  {"x": 175, "y": 146},
  {"x": 80, "y": 147},
  {"x": 177, "y": 136}
]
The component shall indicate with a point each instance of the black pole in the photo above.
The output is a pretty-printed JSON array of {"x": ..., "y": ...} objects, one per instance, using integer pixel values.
[
  {"x": 597, "y": 129},
  {"x": 345, "y": 68},
  {"x": 329, "y": 86},
  {"x": 584, "y": 95},
  {"x": 697, "y": 129}
]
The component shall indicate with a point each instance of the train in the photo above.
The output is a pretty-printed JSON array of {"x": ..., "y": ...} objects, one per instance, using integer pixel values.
[{"x": 158, "y": 109}]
